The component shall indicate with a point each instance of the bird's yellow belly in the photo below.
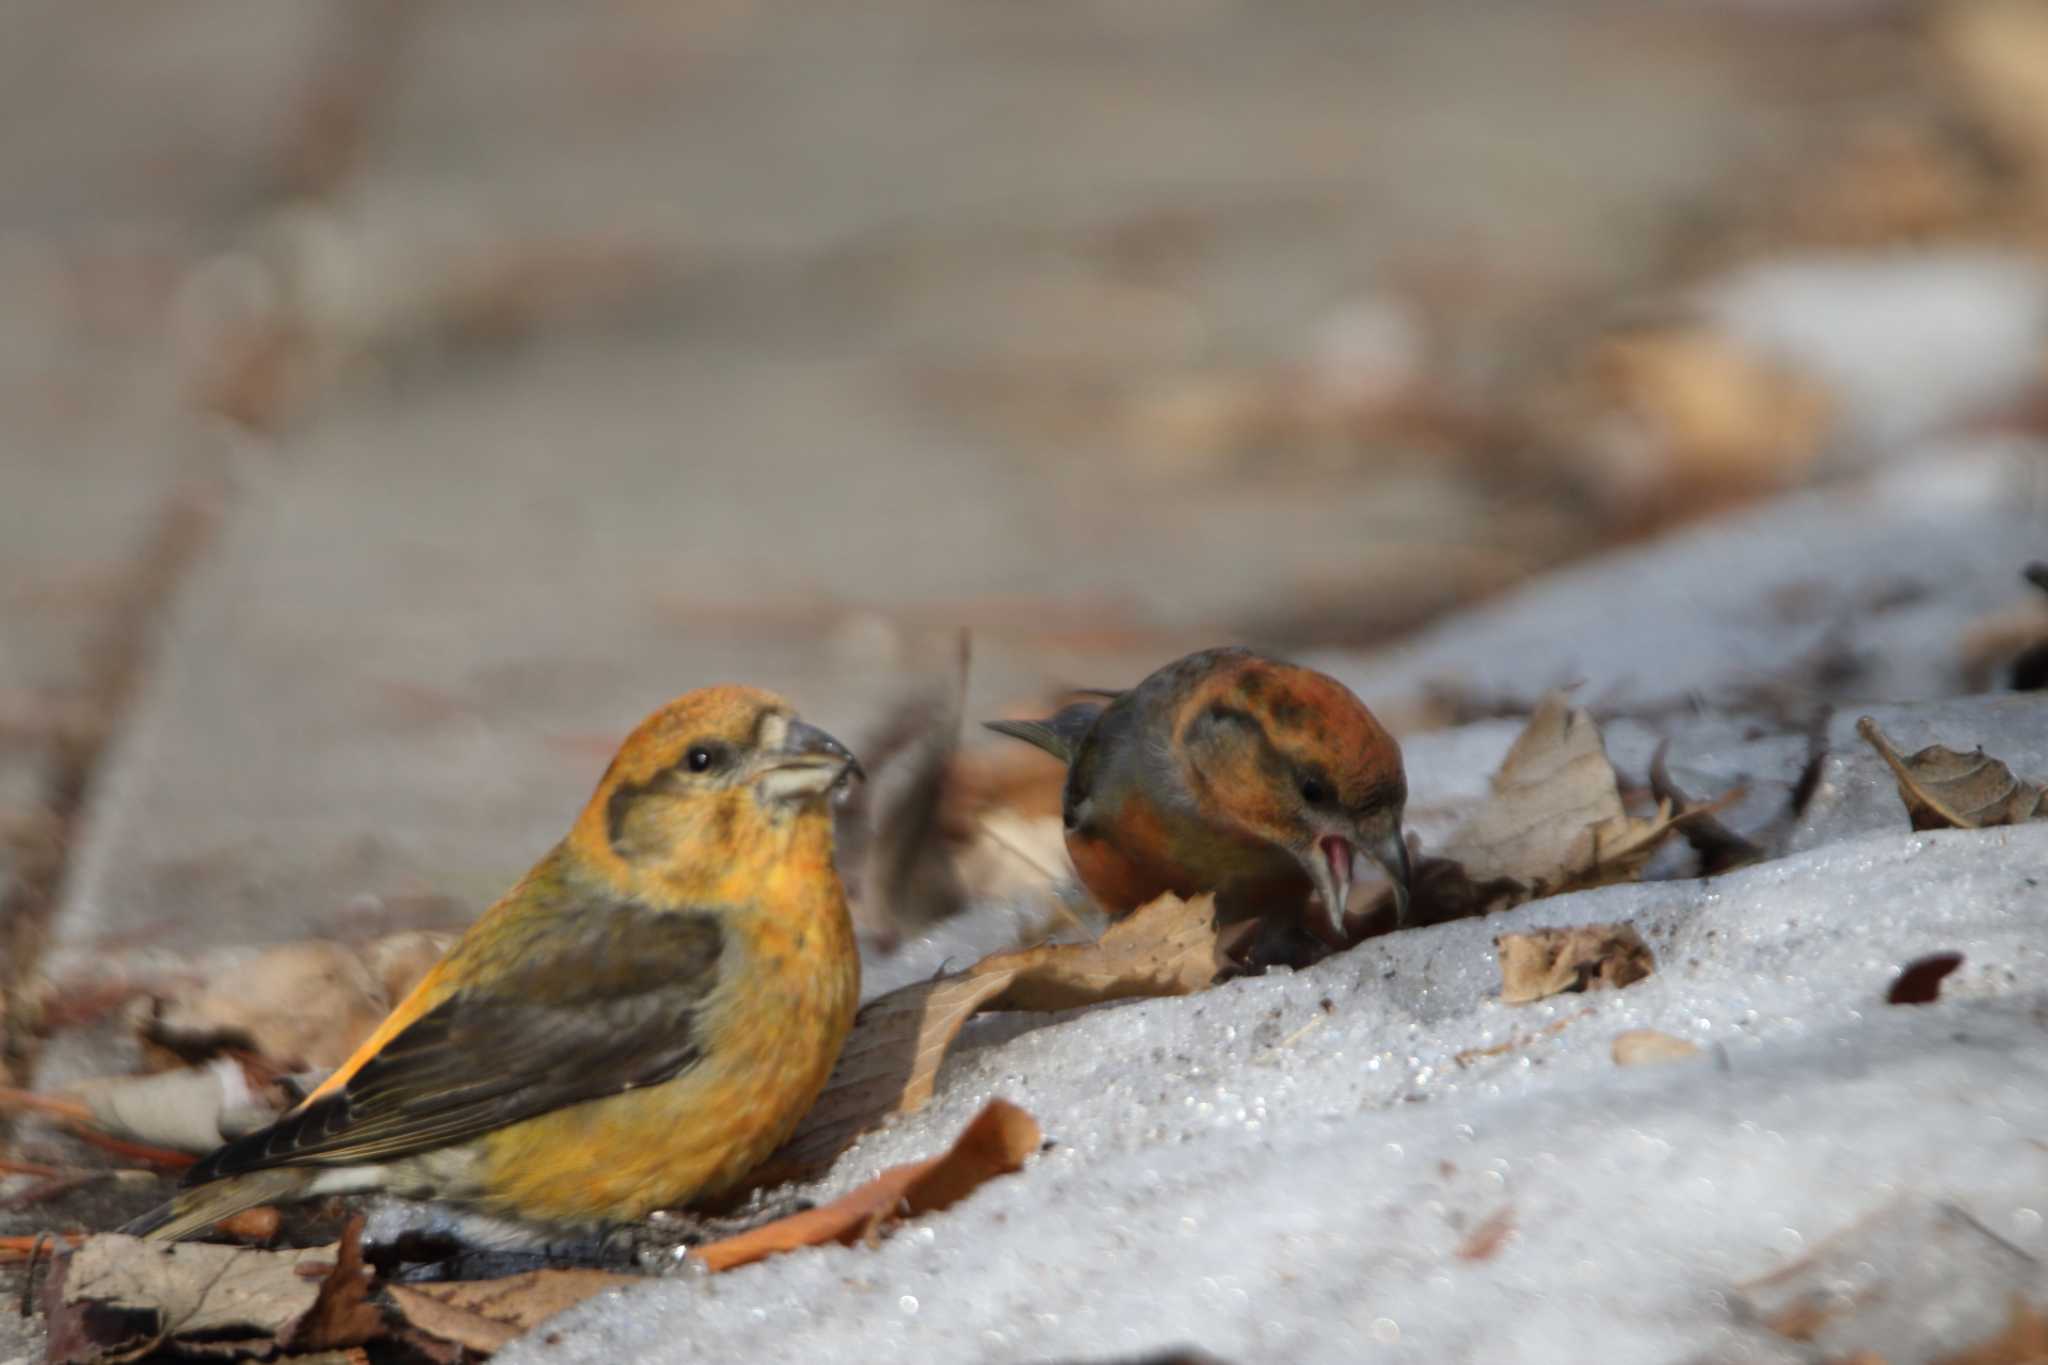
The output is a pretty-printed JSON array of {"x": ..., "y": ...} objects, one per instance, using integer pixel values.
[{"x": 619, "y": 1158}]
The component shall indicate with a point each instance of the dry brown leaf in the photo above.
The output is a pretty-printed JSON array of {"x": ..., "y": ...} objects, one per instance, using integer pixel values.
[
  {"x": 342, "y": 1314},
  {"x": 1546, "y": 962},
  {"x": 1683, "y": 418},
  {"x": 888, "y": 1066},
  {"x": 995, "y": 1143},
  {"x": 303, "y": 1006},
  {"x": 1165, "y": 947},
  {"x": 1944, "y": 789},
  {"x": 181, "y": 1109},
  {"x": 1732, "y": 419},
  {"x": 2023, "y": 1342},
  {"x": 484, "y": 1315},
  {"x": 1648, "y": 1047},
  {"x": 115, "y": 1294},
  {"x": 892, "y": 1058},
  {"x": 1554, "y": 821},
  {"x": 77, "y": 1118}
]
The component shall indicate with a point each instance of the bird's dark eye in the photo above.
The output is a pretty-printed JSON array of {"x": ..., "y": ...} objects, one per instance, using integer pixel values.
[
  {"x": 699, "y": 758},
  {"x": 1314, "y": 790}
]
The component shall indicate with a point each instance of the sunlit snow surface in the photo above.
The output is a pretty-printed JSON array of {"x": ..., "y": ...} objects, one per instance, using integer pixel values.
[{"x": 1285, "y": 1169}]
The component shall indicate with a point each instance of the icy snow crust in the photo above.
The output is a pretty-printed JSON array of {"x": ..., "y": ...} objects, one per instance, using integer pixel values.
[
  {"x": 1890, "y": 572},
  {"x": 1270, "y": 1179},
  {"x": 1285, "y": 1169}
]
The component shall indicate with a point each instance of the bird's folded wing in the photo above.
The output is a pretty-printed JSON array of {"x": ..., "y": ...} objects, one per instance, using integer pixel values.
[{"x": 613, "y": 1004}]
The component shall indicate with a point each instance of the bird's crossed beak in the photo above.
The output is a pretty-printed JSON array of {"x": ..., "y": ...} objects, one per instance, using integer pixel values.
[
  {"x": 804, "y": 762},
  {"x": 1329, "y": 868}
]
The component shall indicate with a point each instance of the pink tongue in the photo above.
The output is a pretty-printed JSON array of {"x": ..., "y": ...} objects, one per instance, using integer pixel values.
[{"x": 1338, "y": 852}]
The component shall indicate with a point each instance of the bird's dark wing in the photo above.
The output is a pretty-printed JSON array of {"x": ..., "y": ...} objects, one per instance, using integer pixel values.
[{"x": 614, "y": 1003}]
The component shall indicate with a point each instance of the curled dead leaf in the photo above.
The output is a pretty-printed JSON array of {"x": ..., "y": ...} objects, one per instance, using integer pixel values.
[
  {"x": 342, "y": 1314},
  {"x": 1554, "y": 820},
  {"x": 115, "y": 1295},
  {"x": 485, "y": 1315},
  {"x": 1546, "y": 962},
  {"x": 77, "y": 1118},
  {"x": 891, "y": 1060},
  {"x": 185, "y": 1110},
  {"x": 888, "y": 1066},
  {"x": 1165, "y": 947},
  {"x": 995, "y": 1143},
  {"x": 301, "y": 1006},
  {"x": 1944, "y": 789}
]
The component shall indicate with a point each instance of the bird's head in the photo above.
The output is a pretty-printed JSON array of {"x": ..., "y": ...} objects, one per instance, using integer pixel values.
[
  {"x": 709, "y": 775},
  {"x": 1291, "y": 757}
]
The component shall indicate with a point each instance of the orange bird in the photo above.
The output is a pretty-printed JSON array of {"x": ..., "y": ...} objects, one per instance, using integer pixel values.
[
  {"x": 1230, "y": 772},
  {"x": 639, "y": 1021}
]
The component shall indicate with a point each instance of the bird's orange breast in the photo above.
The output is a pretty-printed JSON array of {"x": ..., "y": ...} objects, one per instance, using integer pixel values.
[
  {"x": 1129, "y": 857},
  {"x": 1135, "y": 852}
]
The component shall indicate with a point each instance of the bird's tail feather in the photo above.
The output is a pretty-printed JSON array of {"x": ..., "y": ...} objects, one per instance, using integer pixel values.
[
  {"x": 195, "y": 1210},
  {"x": 1059, "y": 734}
]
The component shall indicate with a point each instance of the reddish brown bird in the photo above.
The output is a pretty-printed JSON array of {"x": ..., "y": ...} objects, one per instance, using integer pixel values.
[{"x": 1231, "y": 772}]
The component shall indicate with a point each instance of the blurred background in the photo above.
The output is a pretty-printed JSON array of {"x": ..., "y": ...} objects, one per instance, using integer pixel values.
[{"x": 402, "y": 399}]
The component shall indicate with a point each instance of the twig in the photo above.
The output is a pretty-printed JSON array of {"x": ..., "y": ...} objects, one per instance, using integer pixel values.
[
  {"x": 162, "y": 1157},
  {"x": 1473, "y": 1054},
  {"x": 28, "y": 1276},
  {"x": 14, "y": 1249},
  {"x": 78, "y": 1121},
  {"x": 28, "y": 1101}
]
